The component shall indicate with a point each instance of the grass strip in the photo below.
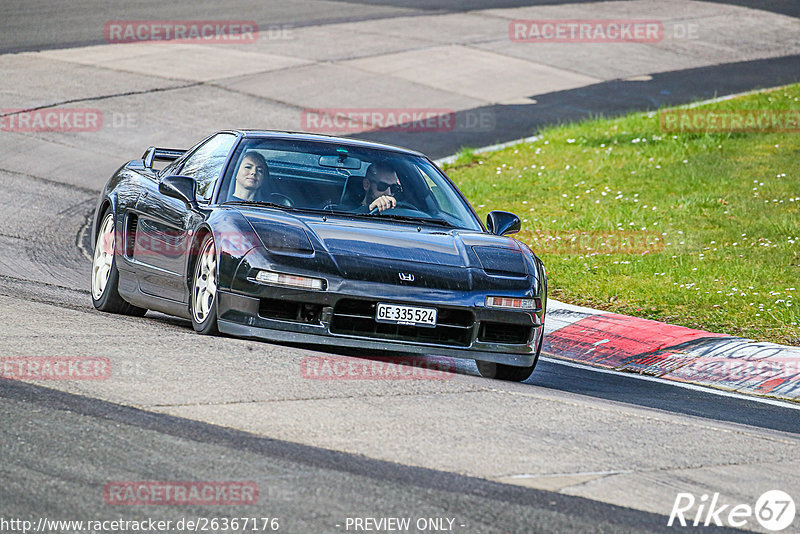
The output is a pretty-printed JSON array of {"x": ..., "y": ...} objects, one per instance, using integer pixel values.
[{"x": 662, "y": 217}]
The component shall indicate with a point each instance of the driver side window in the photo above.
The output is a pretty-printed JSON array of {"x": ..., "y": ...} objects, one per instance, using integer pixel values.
[{"x": 206, "y": 163}]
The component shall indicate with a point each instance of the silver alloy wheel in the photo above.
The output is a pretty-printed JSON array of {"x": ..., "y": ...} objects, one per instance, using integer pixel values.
[
  {"x": 103, "y": 257},
  {"x": 205, "y": 282}
]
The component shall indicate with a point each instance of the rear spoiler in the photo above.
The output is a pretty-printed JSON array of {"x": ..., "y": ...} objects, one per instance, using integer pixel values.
[{"x": 161, "y": 154}]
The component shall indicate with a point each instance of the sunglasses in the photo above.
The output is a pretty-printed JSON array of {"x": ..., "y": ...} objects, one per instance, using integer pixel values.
[{"x": 383, "y": 186}]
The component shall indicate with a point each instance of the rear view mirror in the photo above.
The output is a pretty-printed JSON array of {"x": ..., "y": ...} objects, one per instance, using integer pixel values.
[{"x": 340, "y": 162}]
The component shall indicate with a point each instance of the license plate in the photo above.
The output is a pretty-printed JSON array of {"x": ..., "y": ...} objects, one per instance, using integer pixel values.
[{"x": 405, "y": 315}]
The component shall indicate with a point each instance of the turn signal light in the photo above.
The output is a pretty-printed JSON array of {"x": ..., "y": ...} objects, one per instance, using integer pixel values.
[
  {"x": 282, "y": 279},
  {"x": 513, "y": 303}
]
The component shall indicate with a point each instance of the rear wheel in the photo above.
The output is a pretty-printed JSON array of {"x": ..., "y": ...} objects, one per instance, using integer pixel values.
[
  {"x": 204, "y": 289},
  {"x": 105, "y": 276}
]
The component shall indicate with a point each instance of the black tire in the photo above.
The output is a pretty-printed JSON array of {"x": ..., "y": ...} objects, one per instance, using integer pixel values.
[
  {"x": 511, "y": 373},
  {"x": 203, "y": 302},
  {"x": 500, "y": 371},
  {"x": 105, "y": 296}
]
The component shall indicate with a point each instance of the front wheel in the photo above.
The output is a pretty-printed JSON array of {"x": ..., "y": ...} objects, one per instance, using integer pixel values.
[
  {"x": 203, "y": 300},
  {"x": 105, "y": 276},
  {"x": 511, "y": 373},
  {"x": 501, "y": 371}
]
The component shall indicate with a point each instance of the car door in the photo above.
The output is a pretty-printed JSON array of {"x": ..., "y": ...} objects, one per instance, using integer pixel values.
[{"x": 163, "y": 239}]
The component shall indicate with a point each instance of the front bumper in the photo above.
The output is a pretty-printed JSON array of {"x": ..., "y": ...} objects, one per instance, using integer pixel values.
[{"x": 242, "y": 316}]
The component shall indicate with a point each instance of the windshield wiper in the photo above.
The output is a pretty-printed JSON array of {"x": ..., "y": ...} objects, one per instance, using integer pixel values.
[
  {"x": 284, "y": 207},
  {"x": 257, "y": 203},
  {"x": 426, "y": 220}
]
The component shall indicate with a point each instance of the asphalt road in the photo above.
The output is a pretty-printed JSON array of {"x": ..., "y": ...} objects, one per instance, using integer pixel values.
[
  {"x": 548, "y": 455},
  {"x": 308, "y": 489},
  {"x": 607, "y": 99},
  {"x": 40, "y": 24}
]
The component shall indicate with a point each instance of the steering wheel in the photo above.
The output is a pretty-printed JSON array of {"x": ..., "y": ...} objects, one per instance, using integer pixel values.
[
  {"x": 283, "y": 200},
  {"x": 399, "y": 205}
]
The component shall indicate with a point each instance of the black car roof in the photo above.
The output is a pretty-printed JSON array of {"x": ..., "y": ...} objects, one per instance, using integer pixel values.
[{"x": 320, "y": 138}]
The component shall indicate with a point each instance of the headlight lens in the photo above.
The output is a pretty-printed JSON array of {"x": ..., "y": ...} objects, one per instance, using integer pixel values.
[
  {"x": 513, "y": 303},
  {"x": 290, "y": 280}
]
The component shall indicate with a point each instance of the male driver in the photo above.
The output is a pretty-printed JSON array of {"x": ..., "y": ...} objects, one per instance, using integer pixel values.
[{"x": 381, "y": 184}]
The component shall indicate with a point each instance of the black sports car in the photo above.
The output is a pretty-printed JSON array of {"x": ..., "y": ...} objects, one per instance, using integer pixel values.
[{"x": 313, "y": 239}]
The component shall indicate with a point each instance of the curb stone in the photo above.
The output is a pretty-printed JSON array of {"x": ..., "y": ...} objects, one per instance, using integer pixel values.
[{"x": 630, "y": 344}]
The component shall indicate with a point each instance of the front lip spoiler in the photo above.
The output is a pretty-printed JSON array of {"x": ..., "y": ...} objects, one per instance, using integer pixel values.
[{"x": 284, "y": 336}]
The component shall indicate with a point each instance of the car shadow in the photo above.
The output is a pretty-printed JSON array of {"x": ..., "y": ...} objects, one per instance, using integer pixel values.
[{"x": 429, "y": 362}]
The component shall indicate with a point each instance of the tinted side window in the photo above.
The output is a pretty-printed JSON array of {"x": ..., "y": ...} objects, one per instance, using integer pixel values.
[{"x": 205, "y": 164}]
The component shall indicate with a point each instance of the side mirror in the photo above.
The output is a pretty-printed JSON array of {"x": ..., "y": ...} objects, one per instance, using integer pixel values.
[
  {"x": 502, "y": 223},
  {"x": 180, "y": 187}
]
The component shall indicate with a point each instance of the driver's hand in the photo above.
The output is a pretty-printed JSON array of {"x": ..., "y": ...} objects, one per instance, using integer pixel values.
[{"x": 382, "y": 203}]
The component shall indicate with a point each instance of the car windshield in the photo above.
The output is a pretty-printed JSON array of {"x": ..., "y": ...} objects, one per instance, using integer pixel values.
[{"x": 343, "y": 179}]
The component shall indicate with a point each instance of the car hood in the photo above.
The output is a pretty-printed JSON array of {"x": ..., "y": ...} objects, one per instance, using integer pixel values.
[
  {"x": 402, "y": 243},
  {"x": 378, "y": 250}
]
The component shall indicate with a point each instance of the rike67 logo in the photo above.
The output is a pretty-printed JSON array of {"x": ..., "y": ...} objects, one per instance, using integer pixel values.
[{"x": 774, "y": 510}]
